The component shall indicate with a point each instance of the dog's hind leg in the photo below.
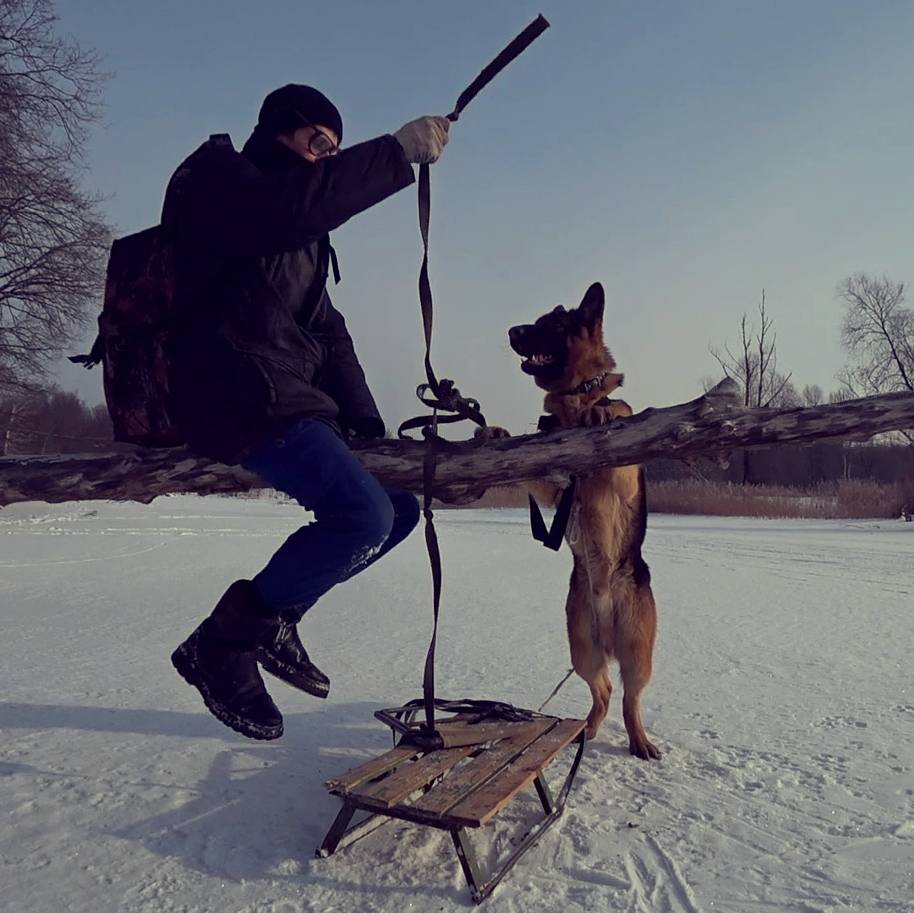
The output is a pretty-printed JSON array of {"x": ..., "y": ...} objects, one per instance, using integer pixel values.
[
  {"x": 636, "y": 626},
  {"x": 587, "y": 655}
]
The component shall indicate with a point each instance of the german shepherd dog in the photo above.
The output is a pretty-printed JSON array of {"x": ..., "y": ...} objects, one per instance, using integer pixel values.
[{"x": 610, "y": 607}]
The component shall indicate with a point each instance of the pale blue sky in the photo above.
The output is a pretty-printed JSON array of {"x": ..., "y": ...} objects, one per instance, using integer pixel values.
[{"x": 683, "y": 154}]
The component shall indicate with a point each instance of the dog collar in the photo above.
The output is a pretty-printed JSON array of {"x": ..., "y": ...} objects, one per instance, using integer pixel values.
[
  {"x": 552, "y": 422},
  {"x": 588, "y": 386}
]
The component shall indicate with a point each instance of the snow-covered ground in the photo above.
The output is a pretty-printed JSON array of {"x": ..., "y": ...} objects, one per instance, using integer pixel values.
[{"x": 782, "y": 698}]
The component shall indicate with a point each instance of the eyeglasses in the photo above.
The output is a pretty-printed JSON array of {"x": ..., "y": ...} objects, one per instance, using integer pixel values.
[{"x": 319, "y": 144}]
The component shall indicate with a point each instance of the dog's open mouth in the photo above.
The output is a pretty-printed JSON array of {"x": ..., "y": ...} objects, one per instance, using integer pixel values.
[{"x": 538, "y": 360}]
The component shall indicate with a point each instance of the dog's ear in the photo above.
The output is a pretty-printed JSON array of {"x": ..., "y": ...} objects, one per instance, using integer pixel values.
[{"x": 591, "y": 307}]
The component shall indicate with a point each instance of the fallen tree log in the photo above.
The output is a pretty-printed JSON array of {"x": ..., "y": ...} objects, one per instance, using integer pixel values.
[{"x": 711, "y": 425}]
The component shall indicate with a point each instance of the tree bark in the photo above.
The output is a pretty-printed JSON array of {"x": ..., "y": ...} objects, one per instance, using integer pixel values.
[{"x": 712, "y": 425}]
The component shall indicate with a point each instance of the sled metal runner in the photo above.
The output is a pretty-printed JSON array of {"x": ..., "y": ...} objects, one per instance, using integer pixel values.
[{"x": 456, "y": 789}]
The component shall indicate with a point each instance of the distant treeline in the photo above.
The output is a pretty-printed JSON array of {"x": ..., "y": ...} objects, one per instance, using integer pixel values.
[
  {"x": 821, "y": 480},
  {"x": 800, "y": 467},
  {"x": 53, "y": 421}
]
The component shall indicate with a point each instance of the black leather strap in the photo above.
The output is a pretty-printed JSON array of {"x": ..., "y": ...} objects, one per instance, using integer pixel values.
[
  {"x": 515, "y": 48},
  {"x": 440, "y": 396},
  {"x": 443, "y": 396}
]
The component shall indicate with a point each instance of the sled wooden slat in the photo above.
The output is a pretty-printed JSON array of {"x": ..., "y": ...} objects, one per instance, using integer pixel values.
[
  {"x": 483, "y": 804},
  {"x": 409, "y": 777},
  {"x": 453, "y": 788},
  {"x": 371, "y": 770},
  {"x": 466, "y": 732},
  {"x": 457, "y": 729}
]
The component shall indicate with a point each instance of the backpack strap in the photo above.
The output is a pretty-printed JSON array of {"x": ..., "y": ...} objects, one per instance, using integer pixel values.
[
  {"x": 334, "y": 263},
  {"x": 96, "y": 354}
]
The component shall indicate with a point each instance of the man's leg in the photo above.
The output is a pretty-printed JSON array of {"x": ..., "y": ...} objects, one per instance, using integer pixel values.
[
  {"x": 406, "y": 516},
  {"x": 356, "y": 522},
  {"x": 353, "y": 515}
]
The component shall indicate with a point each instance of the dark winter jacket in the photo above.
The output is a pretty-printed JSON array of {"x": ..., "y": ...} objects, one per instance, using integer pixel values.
[{"x": 259, "y": 343}]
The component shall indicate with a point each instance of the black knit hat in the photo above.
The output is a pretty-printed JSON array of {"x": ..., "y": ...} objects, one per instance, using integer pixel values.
[{"x": 285, "y": 110}]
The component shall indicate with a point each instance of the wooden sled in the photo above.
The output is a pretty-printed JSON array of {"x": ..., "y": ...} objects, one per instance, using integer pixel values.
[{"x": 454, "y": 789}]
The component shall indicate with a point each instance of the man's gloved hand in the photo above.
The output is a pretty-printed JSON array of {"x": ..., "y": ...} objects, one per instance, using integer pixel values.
[{"x": 423, "y": 140}]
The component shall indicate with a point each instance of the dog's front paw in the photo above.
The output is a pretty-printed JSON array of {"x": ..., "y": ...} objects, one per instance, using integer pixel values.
[
  {"x": 596, "y": 415},
  {"x": 491, "y": 433},
  {"x": 645, "y": 749}
]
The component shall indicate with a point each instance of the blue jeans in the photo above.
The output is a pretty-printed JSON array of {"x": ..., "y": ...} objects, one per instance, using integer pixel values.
[{"x": 356, "y": 521}]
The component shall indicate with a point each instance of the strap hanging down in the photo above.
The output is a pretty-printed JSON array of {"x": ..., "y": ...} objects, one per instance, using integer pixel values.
[
  {"x": 440, "y": 396},
  {"x": 443, "y": 395}
]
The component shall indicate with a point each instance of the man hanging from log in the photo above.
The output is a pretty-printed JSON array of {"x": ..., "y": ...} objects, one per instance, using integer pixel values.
[{"x": 264, "y": 374}]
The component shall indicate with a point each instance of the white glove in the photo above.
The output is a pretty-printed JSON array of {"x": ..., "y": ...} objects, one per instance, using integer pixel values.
[{"x": 423, "y": 139}]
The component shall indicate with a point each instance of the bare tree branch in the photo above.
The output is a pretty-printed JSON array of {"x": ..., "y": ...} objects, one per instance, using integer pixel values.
[
  {"x": 52, "y": 239},
  {"x": 755, "y": 367},
  {"x": 878, "y": 334},
  {"x": 712, "y": 425}
]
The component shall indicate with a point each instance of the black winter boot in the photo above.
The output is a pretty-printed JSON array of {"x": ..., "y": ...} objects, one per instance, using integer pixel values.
[
  {"x": 286, "y": 658},
  {"x": 219, "y": 660}
]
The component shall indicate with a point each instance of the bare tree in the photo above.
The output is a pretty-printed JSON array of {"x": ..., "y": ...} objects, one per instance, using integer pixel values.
[
  {"x": 52, "y": 239},
  {"x": 754, "y": 364},
  {"x": 9, "y": 416},
  {"x": 812, "y": 395},
  {"x": 17, "y": 414},
  {"x": 754, "y": 367},
  {"x": 878, "y": 334},
  {"x": 53, "y": 421}
]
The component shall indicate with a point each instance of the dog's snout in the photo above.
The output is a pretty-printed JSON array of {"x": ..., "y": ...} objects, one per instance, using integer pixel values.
[{"x": 515, "y": 334}]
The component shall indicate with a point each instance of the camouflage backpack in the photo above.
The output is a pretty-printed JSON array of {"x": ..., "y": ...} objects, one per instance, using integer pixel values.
[{"x": 134, "y": 326}]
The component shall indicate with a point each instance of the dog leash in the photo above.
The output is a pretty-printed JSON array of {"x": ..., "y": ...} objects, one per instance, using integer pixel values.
[
  {"x": 442, "y": 396},
  {"x": 556, "y": 689}
]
